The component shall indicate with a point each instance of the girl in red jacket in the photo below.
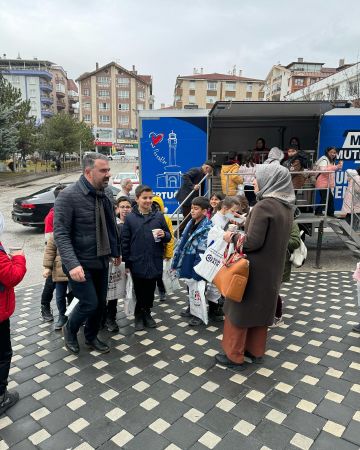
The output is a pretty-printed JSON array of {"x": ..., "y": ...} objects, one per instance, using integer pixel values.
[{"x": 12, "y": 271}]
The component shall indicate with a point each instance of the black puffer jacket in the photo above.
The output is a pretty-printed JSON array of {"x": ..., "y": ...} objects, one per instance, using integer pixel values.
[
  {"x": 75, "y": 229},
  {"x": 189, "y": 180},
  {"x": 142, "y": 255}
]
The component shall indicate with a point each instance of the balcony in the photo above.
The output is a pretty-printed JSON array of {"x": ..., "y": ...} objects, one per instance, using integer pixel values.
[
  {"x": 46, "y": 86},
  {"x": 60, "y": 104},
  {"x": 60, "y": 93},
  {"x": 46, "y": 100},
  {"x": 45, "y": 112}
]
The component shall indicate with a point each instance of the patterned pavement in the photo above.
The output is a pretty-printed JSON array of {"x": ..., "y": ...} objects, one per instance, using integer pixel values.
[{"x": 160, "y": 388}]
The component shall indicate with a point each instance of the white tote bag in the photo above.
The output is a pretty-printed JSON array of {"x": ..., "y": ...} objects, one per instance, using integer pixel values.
[
  {"x": 117, "y": 282},
  {"x": 211, "y": 260},
  {"x": 299, "y": 255},
  {"x": 170, "y": 280},
  {"x": 198, "y": 305},
  {"x": 130, "y": 298}
]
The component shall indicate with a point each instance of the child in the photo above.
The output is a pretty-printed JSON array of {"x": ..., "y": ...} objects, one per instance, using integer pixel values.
[
  {"x": 192, "y": 244},
  {"x": 215, "y": 199},
  {"x": 12, "y": 271},
  {"x": 226, "y": 210},
  {"x": 143, "y": 237},
  {"x": 169, "y": 247},
  {"x": 123, "y": 208}
]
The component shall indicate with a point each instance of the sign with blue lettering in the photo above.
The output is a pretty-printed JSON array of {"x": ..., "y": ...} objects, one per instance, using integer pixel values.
[
  {"x": 340, "y": 128},
  {"x": 169, "y": 146}
]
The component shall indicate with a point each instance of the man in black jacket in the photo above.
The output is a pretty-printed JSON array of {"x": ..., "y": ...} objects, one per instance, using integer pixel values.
[
  {"x": 86, "y": 236},
  {"x": 190, "y": 182},
  {"x": 143, "y": 237}
]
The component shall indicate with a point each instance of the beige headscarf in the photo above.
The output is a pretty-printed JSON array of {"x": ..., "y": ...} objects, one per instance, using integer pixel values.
[{"x": 274, "y": 181}]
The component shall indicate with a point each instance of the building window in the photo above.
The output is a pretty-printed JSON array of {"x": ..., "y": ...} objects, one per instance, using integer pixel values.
[
  {"x": 87, "y": 118},
  {"x": 86, "y": 92},
  {"x": 122, "y": 81},
  {"x": 192, "y": 99},
  {"x": 211, "y": 99},
  {"x": 87, "y": 105},
  {"x": 141, "y": 94},
  {"x": 212, "y": 86},
  {"x": 104, "y": 106},
  {"x": 230, "y": 86},
  {"x": 124, "y": 106},
  {"x": 140, "y": 106},
  {"x": 354, "y": 87},
  {"x": 60, "y": 87},
  {"x": 249, "y": 95},
  {"x": 123, "y": 94},
  {"x": 32, "y": 92},
  {"x": 249, "y": 87},
  {"x": 192, "y": 84},
  {"x": 104, "y": 119},
  {"x": 103, "y": 93},
  {"x": 124, "y": 120},
  {"x": 299, "y": 81},
  {"x": 32, "y": 80},
  {"x": 103, "y": 80},
  {"x": 15, "y": 79}
]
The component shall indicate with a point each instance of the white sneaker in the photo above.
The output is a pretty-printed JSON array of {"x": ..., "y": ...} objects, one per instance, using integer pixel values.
[{"x": 278, "y": 321}]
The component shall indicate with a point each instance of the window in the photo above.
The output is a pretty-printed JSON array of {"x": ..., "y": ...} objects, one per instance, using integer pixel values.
[
  {"x": 60, "y": 87},
  {"x": 140, "y": 106},
  {"x": 211, "y": 99},
  {"x": 87, "y": 105},
  {"x": 212, "y": 86},
  {"x": 86, "y": 92},
  {"x": 104, "y": 119},
  {"x": 103, "y": 93},
  {"x": 32, "y": 80},
  {"x": 230, "y": 86},
  {"x": 124, "y": 120},
  {"x": 192, "y": 84},
  {"x": 15, "y": 79},
  {"x": 299, "y": 81},
  {"x": 32, "y": 92},
  {"x": 103, "y": 80},
  {"x": 104, "y": 106},
  {"x": 141, "y": 94},
  {"x": 123, "y": 94},
  {"x": 124, "y": 106},
  {"x": 87, "y": 118},
  {"x": 192, "y": 99},
  {"x": 122, "y": 81},
  {"x": 249, "y": 87},
  {"x": 353, "y": 87}
]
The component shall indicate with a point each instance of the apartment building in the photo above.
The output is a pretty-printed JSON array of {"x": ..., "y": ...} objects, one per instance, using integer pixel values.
[
  {"x": 342, "y": 85},
  {"x": 110, "y": 98},
  {"x": 202, "y": 90},
  {"x": 276, "y": 84}
]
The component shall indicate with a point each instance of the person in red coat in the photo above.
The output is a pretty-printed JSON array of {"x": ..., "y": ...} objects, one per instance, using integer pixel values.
[{"x": 12, "y": 271}]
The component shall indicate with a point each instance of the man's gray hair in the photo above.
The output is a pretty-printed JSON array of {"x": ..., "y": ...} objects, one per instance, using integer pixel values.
[
  {"x": 90, "y": 158},
  {"x": 124, "y": 182}
]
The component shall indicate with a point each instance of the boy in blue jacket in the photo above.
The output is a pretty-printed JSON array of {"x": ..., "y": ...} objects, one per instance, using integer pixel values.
[
  {"x": 192, "y": 244},
  {"x": 144, "y": 235}
]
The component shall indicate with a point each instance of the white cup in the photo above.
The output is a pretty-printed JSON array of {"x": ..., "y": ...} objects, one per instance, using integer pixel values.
[
  {"x": 155, "y": 233},
  {"x": 232, "y": 227}
]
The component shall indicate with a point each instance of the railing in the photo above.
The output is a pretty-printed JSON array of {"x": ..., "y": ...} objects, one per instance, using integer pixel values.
[{"x": 354, "y": 198}]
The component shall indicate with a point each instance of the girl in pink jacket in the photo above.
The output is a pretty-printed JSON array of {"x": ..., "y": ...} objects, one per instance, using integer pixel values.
[{"x": 327, "y": 163}]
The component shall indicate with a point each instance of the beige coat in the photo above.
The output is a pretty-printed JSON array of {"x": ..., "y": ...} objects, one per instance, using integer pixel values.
[
  {"x": 267, "y": 235},
  {"x": 52, "y": 261}
]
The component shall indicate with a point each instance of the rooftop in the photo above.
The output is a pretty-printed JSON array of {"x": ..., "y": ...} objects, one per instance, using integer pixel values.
[
  {"x": 147, "y": 79},
  {"x": 216, "y": 77}
]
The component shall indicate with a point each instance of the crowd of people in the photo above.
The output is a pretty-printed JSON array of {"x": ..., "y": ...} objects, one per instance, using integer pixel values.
[{"x": 85, "y": 233}]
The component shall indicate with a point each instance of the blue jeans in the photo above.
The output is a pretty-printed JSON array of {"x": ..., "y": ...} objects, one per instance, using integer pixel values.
[
  {"x": 61, "y": 288},
  {"x": 92, "y": 301}
]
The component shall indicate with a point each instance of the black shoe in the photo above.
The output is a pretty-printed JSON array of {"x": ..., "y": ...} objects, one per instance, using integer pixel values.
[
  {"x": 7, "y": 400},
  {"x": 254, "y": 359},
  {"x": 46, "y": 313},
  {"x": 225, "y": 361},
  {"x": 111, "y": 325},
  {"x": 71, "y": 342},
  {"x": 195, "y": 321},
  {"x": 149, "y": 322},
  {"x": 97, "y": 345},
  {"x": 319, "y": 214},
  {"x": 186, "y": 312},
  {"x": 139, "y": 322},
  {"x": 60, "y": 322},
  {"x": 216, "y": 316},
  {"x": 162, "y": 296},
  {"x": 356, "y": 328}
]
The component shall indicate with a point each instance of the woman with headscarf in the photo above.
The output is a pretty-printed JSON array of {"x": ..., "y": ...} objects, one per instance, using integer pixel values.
[
  {"x": 267, "y": 232},
  {"x": 12, "y": 271},
  {"x": 275, "y": 156}
]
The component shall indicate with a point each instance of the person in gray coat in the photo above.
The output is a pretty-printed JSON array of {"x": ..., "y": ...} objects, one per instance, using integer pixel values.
[
  {"x": 86, "y": 236},
  {"x": 267, "y": 232}
]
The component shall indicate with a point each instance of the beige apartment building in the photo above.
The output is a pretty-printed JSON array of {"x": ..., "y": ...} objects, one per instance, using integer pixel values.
[
  {"x": 202, "y": 90},
  {"x": 110, "y": 98}
]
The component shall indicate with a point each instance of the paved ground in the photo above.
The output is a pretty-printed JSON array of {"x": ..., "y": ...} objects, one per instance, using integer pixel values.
[{"x": 160, "y": 388}]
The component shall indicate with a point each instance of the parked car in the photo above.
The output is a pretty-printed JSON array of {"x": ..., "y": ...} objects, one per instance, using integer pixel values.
[
  {"x": 32, "y": 209},
  {"x": 121, "y": 176}
]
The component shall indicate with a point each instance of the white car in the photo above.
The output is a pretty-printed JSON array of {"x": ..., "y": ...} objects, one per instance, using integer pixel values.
[{"x": 121, "y": 176}]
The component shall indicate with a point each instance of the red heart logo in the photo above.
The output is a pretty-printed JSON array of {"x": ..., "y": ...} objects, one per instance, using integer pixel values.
[{"x": 156, "y": 138}]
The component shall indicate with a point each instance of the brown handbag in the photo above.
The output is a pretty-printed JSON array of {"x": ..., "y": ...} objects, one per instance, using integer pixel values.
[{"x": 231, "y": 280}]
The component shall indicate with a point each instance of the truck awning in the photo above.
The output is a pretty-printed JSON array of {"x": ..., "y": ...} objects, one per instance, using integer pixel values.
[{"x": 267, "y": 111}]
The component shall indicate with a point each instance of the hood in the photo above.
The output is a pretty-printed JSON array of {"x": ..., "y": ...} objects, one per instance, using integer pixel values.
[
  {"x": 160, "y": 202},
  {"x": 232, "y": 167}
]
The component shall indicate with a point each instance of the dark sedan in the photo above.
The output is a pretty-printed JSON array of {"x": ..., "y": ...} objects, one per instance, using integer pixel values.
[{"x": 32, "y": 209}]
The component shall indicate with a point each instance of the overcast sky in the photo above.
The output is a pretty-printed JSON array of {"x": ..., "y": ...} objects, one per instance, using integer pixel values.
[{"x": 165, "y": 38}]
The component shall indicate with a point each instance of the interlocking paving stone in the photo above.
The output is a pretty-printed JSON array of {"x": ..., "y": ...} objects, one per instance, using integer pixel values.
[{"x": 161, "y": 388}]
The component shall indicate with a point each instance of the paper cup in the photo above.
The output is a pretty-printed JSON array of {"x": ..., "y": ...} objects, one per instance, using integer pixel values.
[
  {"x": 155, "y": 232},
  {"x": 232, "y": 227}
]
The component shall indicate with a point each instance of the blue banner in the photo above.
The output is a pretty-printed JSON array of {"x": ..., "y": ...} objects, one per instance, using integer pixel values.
[
  {"x": 343, "y": 132},
  {"x": 169, "y": 146}
]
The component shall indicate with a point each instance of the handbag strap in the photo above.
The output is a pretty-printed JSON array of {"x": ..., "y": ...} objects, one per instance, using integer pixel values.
[{"x": 231, "y": 258}]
